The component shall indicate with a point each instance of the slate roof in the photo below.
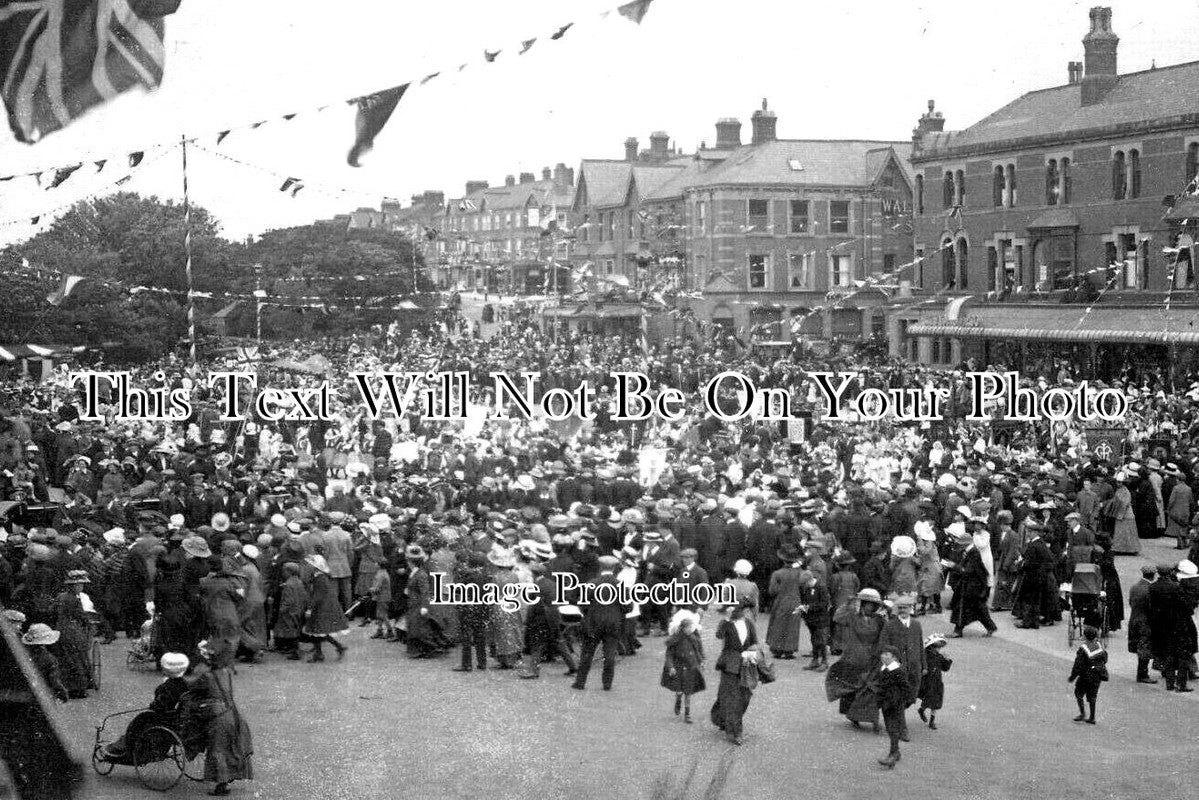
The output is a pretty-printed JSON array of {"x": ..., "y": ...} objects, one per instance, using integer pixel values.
[
  {"x": 823, "y": 162},
  {"x": 1137, "y": 97}
]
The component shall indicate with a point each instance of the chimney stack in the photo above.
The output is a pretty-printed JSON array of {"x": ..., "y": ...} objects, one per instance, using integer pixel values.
[
  {"x": 510, "y": 180},
  {"x": 728, "y": 133},
  {"x": 527, "y": 177},
  {"x": 560, "y": 175},
  {"x": 434, "y": 197},
  {"x": 1099, "y": 52},
  {"x": 931, "y": 121},
  {"x": 1074, "y": 72},
  {"x": 547, "y": 174},
  {"x": 764, "y": 122},
  {"x": 659, "y": 146},
  {"x": 475, "y": 186},
  {"x": 630, "y": 149}
]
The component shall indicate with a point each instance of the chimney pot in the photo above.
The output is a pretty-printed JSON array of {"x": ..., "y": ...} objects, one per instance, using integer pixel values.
[
  {"x": 764, "y": 122},
  {"x": 659, "y": 146},
  {"x": 510, "y": 180},
  {"x": 475, "y": 186},
  {"x": 527, "y": 177},
  {"x": 728, "y": 133},
  {"x": 1099, "y": 53},
  {"x": 547, "y": 174},
  {"x": 631, "y": 148}
]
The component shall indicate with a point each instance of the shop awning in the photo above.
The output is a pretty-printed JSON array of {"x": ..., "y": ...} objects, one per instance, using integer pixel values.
[
  {"x": 1069, "y": 324},
  {"x": 13, "y": 352},
  {"x": 1055, "y": 218}
]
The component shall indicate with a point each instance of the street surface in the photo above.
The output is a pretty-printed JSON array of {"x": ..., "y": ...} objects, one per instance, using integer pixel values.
[{"x": 378, "y": 725}]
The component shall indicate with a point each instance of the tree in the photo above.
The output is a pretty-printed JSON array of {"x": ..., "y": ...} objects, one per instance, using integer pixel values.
[{"x": 115, "y": 243}]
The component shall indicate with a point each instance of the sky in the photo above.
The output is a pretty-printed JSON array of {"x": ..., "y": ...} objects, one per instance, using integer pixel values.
[{"x": 862, "y": 70}]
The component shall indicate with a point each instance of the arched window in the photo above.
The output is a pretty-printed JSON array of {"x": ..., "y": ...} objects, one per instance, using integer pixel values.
[
  {"x": 1192, "y": 165},
  {"x": 947, "y": 263},
  {"x": 1134, "y": 173},
  {"x": 1064, "y": 182},
  {"x": 1051, "y": 185},
  {"x": 1119, "y": 176},
  {"x": 960, "y": 179},
  {"x": 947, "y": 190},
  {"x": 963, "y": 263},
  {"x": 997, "y": 187},
  {"x": 919, "y": 194},
  {"x": 1011, "y": 186}
]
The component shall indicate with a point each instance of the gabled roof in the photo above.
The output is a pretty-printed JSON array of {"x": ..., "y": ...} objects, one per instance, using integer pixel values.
[
  {"x": 646, "y": 180},
  {"x": 822, "y": 163},
  {"x": 1137, "y": 97},
  {"x": 603, "y": 183},
  {"x": 692, "y": 173}
]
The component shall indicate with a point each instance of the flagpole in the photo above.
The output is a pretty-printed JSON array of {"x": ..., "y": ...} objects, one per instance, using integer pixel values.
[{"x": 187, "y": 249}]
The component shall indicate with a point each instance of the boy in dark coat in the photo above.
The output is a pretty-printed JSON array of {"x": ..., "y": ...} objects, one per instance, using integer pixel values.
[
  {"x": 893, "y": 691},
  {"x": 293, "y": 600},
  {"x": 932, "y": 685},
  {"x": 815, "y": 606}
]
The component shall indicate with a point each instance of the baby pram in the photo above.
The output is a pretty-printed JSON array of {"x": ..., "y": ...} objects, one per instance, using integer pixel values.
[
  {"x": 141, "y": 654},
  {"x": 1088, "y": 603}
]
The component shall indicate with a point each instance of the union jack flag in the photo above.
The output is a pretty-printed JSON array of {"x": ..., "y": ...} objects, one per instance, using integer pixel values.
[{"x": 60, "y": 58}]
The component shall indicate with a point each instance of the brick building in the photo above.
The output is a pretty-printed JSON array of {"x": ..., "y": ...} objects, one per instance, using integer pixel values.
[
  {"x": 782, "y": 234},
  {"x": 1067, "y": 198},
  {"x": 499, "y": 237}
]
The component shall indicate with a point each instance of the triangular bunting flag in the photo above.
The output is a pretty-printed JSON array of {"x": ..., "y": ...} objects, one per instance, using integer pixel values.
[
  {"x": 525, "y": 45},
  {"x": 289, "y": 117},
  {"x": 428, "y": 78},
  {"x": 124, "y": 180},
  {"x": 100, "y": 164},
  {"x": 635, "y": 10},
  {"x": 287, "y": 184},
  {"x": 220, "y": 137},
  {"x": 558, "y": 34},
  {"x": 461, "y": 67},
  {"x": 373, "y": 112},
  {"x": 69, "y": 282},
  {"x": 136, "y": 158},
  {"x": 37, "y": 176},
  {"x": 490, "y": 55},
  {"x": 61, "y": 175},
  {"x": 295, "y": 191},
  {"x": 258, "y": 125}
]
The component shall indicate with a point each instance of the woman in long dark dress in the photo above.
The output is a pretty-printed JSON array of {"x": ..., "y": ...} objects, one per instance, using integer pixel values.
[
  {"x": 739, "y": 653},
  {"x": 683, "y": 671},
  {"x": 1111, "y": 585},
  {"x": 782, "y": 635},
  {"x": 216, "y": 724},
  {"x": 846, "y": 681},
  {"x": 325, "y": 617},
  {"x": 177, "y": 617},
  {"x": 74, "y": 646}
]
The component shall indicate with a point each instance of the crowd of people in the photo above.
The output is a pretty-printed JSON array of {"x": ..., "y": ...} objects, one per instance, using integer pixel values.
[{"x": 213, "y": 541}]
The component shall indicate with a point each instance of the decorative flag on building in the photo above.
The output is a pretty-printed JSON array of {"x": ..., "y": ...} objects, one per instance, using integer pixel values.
[
  {"x": 525, "y": 45},
  {"x": 635, "y": 10},
  {"x": 293, "y": 185},
  {"x": 135, "y": 158},
  {"x": 69, "y": 282},
  {"x": 374, "y": 111},
  {"x": 60, "y": 58},
  {"x": 490, "y": 55},
  {"x": 558, "y": 34}
]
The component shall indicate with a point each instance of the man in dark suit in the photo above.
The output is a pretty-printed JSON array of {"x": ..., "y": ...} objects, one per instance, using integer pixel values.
[
  {"x": 603, "y": 624},
  {"x": 691, "y": 574},
  {"x": 1036, "y": 568},
  {"x": 1139, "y": 634},
  {"x": 711, "y": 538},
  {"x": 661, "y": 566},
  {"x": 1168, "y": 613}
]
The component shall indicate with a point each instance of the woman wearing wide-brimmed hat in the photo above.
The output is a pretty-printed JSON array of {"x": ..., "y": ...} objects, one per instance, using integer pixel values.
[
  {"x": 1119, "y": 510},
  {"x": 782, "y": 634},
  {"x": 74, "y": 645},
  {"x": 325, "y": 617},
  {"x": 507, "y": 626},
  {"x": 223, "y": 594},
  {"x": 423, "y": 639},
  {"x": 39, "y": 640},
  {"x": 683, "y": 671},
  {"x": 846, "y": 680},
  {"x": 212, "y": 714}
]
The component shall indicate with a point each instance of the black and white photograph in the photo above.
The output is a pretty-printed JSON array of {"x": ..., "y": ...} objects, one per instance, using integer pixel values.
[{"x": 652, "y": 399}]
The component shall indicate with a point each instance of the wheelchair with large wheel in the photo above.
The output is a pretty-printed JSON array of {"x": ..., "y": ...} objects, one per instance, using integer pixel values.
[{"x": 155, "y": 747}]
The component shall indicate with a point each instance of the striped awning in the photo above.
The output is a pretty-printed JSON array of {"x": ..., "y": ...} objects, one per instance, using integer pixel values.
[
  {"x": 13, "y": 352},
  {"x": 1056, "y": 334}
]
